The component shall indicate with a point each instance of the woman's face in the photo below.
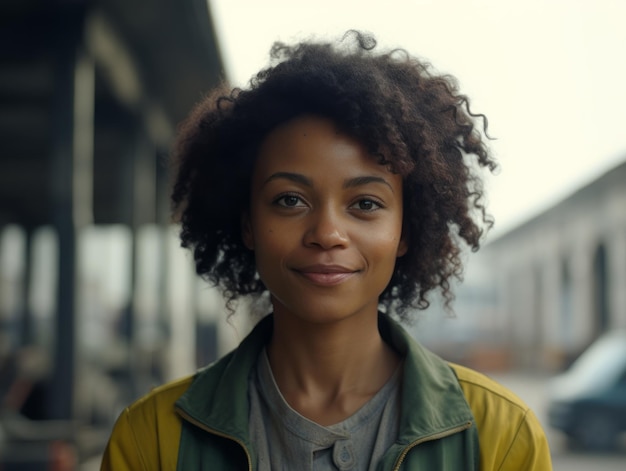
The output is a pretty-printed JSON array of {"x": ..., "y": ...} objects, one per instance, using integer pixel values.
[{"x": 325, "y": 222}]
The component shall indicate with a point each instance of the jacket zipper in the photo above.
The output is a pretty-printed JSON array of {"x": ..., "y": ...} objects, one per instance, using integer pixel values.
[
  {"x": 412, "y": 445},
  {"x": 219, "y": 434},
  {"x": 429, "y": 438}
]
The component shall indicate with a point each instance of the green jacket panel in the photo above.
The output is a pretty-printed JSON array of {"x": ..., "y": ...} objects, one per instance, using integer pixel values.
[
  {"x": 452, "y": 418},
  {"x": 216, "y": 403}
]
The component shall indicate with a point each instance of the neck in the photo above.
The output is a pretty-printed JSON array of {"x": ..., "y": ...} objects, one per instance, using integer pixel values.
[{"x": 327, "y": 371}]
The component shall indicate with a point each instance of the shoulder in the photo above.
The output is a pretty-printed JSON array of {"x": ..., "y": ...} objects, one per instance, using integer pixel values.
[
  {"x": 497, "y": 410},
  {"x": 159, "y": 401},
  {"x": 146, "y": 433},
  {"x": 480, "y": 389},
  {"x": 510, "y": 434}
]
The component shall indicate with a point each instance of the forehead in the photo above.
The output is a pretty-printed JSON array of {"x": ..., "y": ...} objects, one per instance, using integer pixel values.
[{"x": 314, "y": 142}]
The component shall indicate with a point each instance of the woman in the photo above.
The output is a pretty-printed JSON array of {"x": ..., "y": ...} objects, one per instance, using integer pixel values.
[{"x": 342, "y": 183}]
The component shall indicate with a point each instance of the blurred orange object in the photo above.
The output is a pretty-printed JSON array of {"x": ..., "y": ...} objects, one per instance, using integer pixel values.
[{"x": 62, "y": 456}]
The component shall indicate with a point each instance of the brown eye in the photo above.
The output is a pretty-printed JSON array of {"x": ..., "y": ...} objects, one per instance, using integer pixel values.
[
  {"x": 290, "y": 201},
  {"x": 366, "y": 204}
]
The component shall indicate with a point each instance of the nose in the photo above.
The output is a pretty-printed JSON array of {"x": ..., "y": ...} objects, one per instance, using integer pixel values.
[{"x": 326, "y": 230}]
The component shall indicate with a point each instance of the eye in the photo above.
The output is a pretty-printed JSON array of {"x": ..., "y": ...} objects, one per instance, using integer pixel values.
[
  {"x": 366, "y": 204},
  {"x": 289, "y": 201}
]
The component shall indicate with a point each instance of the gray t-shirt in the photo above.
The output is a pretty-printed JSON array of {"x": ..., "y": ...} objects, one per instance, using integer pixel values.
[{"x": 286, "y": 440}]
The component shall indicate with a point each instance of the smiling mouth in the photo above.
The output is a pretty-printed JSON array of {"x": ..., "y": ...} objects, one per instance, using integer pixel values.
[{"x": 326, "y": 275}]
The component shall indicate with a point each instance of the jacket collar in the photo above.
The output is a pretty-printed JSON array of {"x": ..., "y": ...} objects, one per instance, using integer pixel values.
[{"x": 432, "y": 400}]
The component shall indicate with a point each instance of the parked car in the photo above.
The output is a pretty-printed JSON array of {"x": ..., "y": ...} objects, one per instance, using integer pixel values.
[{"x": 588, "y": 401}]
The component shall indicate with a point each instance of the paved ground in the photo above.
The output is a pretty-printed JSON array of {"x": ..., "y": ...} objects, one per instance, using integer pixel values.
[{"x": 532, "y": 389}]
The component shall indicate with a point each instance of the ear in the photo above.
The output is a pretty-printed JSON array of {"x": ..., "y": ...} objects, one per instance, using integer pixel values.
[
  {"x": 403, "y": 246},
  {"x": 246, "y": 231}
]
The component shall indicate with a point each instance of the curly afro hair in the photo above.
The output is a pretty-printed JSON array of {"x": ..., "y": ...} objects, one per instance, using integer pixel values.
[{"x": 410, "y": 119}]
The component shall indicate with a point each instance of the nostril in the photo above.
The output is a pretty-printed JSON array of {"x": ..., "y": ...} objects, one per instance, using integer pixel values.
[{"x": 325, "y": 238}]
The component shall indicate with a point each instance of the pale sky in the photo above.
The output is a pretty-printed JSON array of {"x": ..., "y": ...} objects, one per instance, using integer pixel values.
[{"x": 549, "y": 75}]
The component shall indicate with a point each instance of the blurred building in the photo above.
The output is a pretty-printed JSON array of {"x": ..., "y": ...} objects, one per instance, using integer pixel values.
[
  {"x": 538, "y": 295},
  {"x": 91, "y": 275},
  {"x": 560, "y": 278}
]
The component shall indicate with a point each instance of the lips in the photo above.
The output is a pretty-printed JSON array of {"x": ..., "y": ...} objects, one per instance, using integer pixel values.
[{"x": 326, "y": 275}]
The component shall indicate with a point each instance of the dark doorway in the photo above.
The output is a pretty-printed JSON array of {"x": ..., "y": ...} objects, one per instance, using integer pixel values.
[{"x": 601, "y": 290}]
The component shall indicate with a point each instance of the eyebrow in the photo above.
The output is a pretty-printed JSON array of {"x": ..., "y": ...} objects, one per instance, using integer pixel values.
[
  {"x": 349, "y": 183},
  {"x": 294, "y": 177},
  {"x": 365, "y": 180}
]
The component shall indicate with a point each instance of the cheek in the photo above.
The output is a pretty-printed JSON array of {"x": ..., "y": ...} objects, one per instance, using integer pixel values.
[
  {"x": 269, "y": 247},
  {"x": 390, "y": 248},
  {"x": 388, "y": 236},
  {"x": 382, "y": 252}
]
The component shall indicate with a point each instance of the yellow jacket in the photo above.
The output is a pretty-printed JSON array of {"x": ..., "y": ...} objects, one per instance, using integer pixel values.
[{"x": 453, "y": 418}]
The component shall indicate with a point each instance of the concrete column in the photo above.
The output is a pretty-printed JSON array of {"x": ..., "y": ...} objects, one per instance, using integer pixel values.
[
  {"x": 181, "y": 315},
  {"x": 139, "y": 199},
  {"x": 25, "y": 317},
  {"x": 616, "y": 259},
  {"x": 12, "y": 289},
  {"x": 566, "y": 315},
  {"x": 544, "y": 343},
  {"x": 583, "y": 320},
  {"x": 551, "y": 322},
  {"x": 505, "y": 287},
  {"x": 71, "y": 153},
  {"x": 523, "y": 314}
]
